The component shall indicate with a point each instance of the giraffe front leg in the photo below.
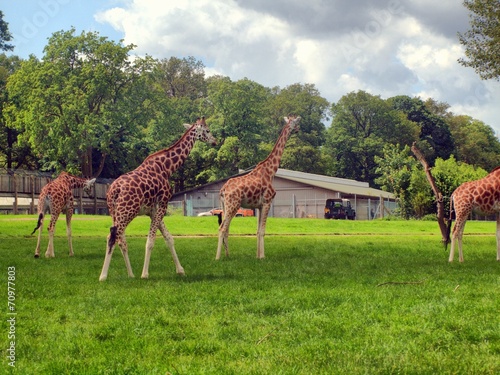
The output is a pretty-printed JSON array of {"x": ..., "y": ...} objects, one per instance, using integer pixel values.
[{"x": 170, "y": 243}]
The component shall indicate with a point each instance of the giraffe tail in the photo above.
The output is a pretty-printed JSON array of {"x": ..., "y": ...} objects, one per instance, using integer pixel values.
[
  {"x": 112, "y": 237},
  {"x": 448, "y": 225},
  {"x": 219, "y": 218},
  {"x": 40, "y": 219}
]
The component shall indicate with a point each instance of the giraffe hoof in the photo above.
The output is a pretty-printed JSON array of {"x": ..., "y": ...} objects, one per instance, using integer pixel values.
[{"x": 37, "y": 256}]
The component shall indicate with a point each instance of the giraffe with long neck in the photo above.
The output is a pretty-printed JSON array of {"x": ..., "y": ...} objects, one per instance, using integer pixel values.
[
  {"x": 481, "y": 195},
  {"x": 254, "y": 190},
  {"x": 56, "y": 196},
  {"x": 148, "y": 187}
]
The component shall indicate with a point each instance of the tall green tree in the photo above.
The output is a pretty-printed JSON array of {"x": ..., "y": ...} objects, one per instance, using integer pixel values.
[
  {"x": 5, "y": 35},
  {"x": 362, "y": 124},
  {"x": 303, "y": 151},
  {"x": 12, "y": 154},
  {"x": 476, "y": 142},
  {"x": 237, "y": 116},
  {"x": 482, "y": 41},
  {"x": 83, "y": 102},
  {"x": 395, "y": 169},
  {"x": 180, "y": 88},
  {"x": 435, "y": 139}
]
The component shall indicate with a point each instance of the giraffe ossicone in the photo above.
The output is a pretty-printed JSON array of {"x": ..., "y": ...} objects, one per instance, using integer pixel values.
[
  {"x": 56, "y": 196},
  {"x": 254, "y": 190},
  {"x": 481, "y": 195},
  {"x": 148, "y": 187}
]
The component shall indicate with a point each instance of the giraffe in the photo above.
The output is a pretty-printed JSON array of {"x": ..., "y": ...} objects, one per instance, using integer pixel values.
[
  {"x": 54, "y": 197},
  {"x": 148, "y": 187},
  {"x": 482, "y": 195},
  {"x": 253, "y": 190}
]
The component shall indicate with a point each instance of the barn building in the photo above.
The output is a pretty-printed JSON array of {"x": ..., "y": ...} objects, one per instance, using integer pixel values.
[{"x": 298, "y": 195}]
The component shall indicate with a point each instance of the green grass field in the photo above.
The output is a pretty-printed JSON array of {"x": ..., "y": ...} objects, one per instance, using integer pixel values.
[{"x": 331, "y": 297}]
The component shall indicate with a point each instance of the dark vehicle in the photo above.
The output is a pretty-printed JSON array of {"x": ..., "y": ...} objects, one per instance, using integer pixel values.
[{"x": 339, "y": 209}]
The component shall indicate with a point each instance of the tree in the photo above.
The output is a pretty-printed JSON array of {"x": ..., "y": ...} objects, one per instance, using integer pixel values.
[
  {"x": 84, "y": 101},
  {"x": 362, "y": 124},
  {"x": 181, "y": 77},
  {"x": 476, "y": 143},
  {"x": 435, "y": 140},
  {"x": 482, "y": 41},
  {"x": 237, "y": 115},
  {"x": 395, "y": 168},
  {"x": 301, "y": 156},
  {"x": 303, "y": 151},
  {"x": 303, "y": 100},
  {"x": 12, "y": 155},
  {"x": 5, "y": 35}
]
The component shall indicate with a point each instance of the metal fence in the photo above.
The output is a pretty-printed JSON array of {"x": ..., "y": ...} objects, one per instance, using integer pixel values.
[{"x": 366, "y": 209}]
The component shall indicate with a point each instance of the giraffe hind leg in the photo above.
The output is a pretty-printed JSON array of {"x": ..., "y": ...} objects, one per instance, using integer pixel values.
[
  {"x": 170, "y": 243},
  {"x": 52, "y": 227},
  {"x": 113, "y": 238},
  {"x": 39, "y": 227},
  {"x": 261, "y": 230},
  {"x": 224, "y": 234},
  {"x": 456, "y": 239},
  {"x": 69, "y": 214},
  {"x": 498, "y": 236}
]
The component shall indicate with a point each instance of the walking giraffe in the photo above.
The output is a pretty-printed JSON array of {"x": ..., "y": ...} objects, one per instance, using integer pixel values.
[
  {"x": 254, "y": 190},
  {"x": 54, "y": 197},
  {"x": 482, "y": 195},
  {"x": 148, "y": 187}
]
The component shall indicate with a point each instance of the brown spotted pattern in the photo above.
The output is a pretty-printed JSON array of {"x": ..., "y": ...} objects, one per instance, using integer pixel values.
[
  {"x": 55, "y": 197},
  {"x": 254, "y": 190},
  {"x": 147, "y": 187},
  {"x": 482, "y": 196}
]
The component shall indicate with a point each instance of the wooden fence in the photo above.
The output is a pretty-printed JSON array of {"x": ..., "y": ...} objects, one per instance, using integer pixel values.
[{"x": 19, "y": 191}]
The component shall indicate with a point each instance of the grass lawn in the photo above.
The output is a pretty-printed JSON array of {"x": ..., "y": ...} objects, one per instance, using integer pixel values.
[{"x": 331, "y": 297}]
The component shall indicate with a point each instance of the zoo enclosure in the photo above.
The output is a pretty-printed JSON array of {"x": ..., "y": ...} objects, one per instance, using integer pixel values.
[{"x": 19, "y": 191}]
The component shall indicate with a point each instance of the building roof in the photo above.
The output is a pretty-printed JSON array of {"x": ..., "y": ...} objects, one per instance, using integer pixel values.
[{"x": 342, "y": 185}]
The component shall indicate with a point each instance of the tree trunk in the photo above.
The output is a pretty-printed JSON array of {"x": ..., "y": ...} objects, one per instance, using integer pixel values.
[{"x": 437, "y": 193}]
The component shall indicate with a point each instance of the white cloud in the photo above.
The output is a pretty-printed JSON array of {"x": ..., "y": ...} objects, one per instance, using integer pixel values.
[{"x": 394, "y": 48}]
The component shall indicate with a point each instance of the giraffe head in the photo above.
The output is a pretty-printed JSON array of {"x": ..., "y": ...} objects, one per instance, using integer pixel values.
[
  {"x": 293, "y": 122},
  {"x": 87, "y": 187},
  {"x": 202, "y": 132}
]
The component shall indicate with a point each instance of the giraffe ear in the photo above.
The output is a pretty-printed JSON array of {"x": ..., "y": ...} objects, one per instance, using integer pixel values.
[
  {"x": 286, "y": 119},
  {"x": 187, "y": 126}
]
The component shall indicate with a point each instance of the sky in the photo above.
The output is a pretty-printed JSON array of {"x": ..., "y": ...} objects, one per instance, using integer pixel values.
[{"x": 384, "y": 47}]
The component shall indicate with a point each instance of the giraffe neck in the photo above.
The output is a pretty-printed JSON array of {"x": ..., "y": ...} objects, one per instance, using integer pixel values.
[
  {"x": 170, "y": 159},
  {"x": 73, "y": 181},
  {"x": 272, "y": 162}
]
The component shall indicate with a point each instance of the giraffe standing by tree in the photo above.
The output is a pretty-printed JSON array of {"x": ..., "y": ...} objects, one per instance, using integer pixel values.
[
  {"x": 254, "y": 190},
  {"x": 148, "y": 187},
  {"x": 54, "y": 197},
  {"x": 482, "y": 195}
]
